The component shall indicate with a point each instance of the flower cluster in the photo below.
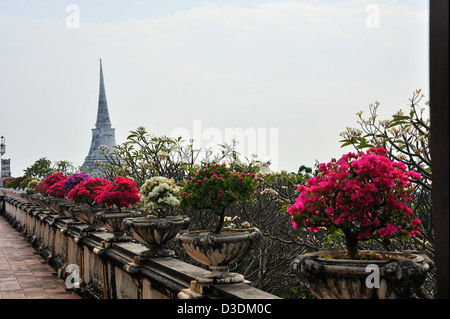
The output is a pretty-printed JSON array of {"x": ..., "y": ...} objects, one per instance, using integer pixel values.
[
  {"x": 82, "y": 188},
  {"x": 56, "y": 190},
  {"x": 364, "y": 194},
  {"x": 43, "y": 186},
  {"x": 217, "y": 187},
  {"x": 73, "y": 181},
  {"x": 122, "y": 193},
  {"x": 233, "y": 222},
  {"x": 29, "y": 189},
  {"x": 87, "y": 191},
  {"x": 14, "y": 182},
  {"x": 159, "y": 193}
]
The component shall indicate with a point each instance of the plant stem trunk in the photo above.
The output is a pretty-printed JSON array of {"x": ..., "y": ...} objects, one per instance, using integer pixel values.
[
  {"x": 220, "y": 223},
  {"x": 351, "y": 241}
]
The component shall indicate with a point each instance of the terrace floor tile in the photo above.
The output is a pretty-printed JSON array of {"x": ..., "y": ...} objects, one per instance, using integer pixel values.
[{"x": 23, "y": 273}]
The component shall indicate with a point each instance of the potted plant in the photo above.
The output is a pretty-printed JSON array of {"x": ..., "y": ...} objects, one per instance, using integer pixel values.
[
  {"x": 25, "y": 182},
  {"x": 86, "y": 191},
  {"x": 55, "y": 199},
  {"x": 120, "y": 194},
  {"x": 361, "y": 196},
  {"x": 33, "y": 196},
  {"x": 84, "y": 196},
  {"x": 51, "y": 196},
  {"x": 30, "y": 188},
  {"x": 159, "y": 202},
  {"x": 44, "y": 185},
  {"x": 61, "y": 191},
  {"x": 73, "y": 180},
  {"x": 215, "y": 188}
]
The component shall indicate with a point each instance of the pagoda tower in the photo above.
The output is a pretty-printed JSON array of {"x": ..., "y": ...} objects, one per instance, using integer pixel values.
[{"x": 102, "y": 134}]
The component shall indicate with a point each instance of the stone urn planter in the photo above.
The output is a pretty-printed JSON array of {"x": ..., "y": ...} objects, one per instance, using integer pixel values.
[
  {"x": 113, "y": 222},
  {"x": 59, "y": 205},
  {"x": 86, "y": 214},
  {"x": 54, "y": 204},
  {"x": 399, "y": 276},
  {"x": 37, "y": 199},
  {"x": 218, "y": 251},
  {"x": 67, "y": 209},
  {"x": 155, "y": 232}
]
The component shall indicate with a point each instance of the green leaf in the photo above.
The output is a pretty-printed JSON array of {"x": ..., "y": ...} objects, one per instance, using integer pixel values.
[
  {"x": 332, "y": 229},
  {"x": 346, "y": 143},
  {"x": 396, "y": 123},
  {"x": 401, "y": 117}
]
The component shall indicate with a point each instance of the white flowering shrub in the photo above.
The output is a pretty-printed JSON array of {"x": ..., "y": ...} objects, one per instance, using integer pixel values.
[{"x": 159, "y": 195}]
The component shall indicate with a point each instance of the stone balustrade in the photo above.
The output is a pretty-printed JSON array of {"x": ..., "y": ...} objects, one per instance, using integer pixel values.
[{"x": 97, "y": 268}]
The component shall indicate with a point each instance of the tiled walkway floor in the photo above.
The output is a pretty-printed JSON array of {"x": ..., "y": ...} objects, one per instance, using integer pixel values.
[{"x": 23, "y": 273}]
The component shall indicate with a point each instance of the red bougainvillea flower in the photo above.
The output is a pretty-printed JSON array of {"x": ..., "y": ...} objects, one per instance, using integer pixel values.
[
  {"x": 122, "y": 193},
  {"x": 56, "y": 190},
  {"x": 44, "y": 185},
  {"x": 86, "y": 191}
]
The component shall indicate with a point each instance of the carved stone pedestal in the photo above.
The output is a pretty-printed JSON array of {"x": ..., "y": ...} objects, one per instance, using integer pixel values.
[
  {"x": 399, "y": 276},
  {"x": 217, "y": 251},
  {"x": 155, "y": 233}
]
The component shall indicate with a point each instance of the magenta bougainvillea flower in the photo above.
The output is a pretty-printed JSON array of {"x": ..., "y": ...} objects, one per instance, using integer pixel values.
[
  {"x": 365, "y": 194},
  {"x": 73, "y": 181}
]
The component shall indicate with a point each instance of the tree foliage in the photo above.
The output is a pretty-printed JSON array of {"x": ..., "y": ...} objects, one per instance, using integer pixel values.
[
  {"x": 43, "y": 168},
  {"x": 144, "y": 155}
]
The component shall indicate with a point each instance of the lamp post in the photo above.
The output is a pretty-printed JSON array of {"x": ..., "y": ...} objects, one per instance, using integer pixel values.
[
  {"x": 2, "y": 151},
  {"x": 2, "y": 146}
]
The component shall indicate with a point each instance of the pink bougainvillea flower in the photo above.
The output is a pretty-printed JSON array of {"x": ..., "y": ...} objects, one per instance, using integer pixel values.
[{"x": 366, "y": 195}]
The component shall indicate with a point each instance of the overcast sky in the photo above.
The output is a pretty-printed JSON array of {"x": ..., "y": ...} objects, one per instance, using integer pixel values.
[{"x": 295, "y": 73}]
